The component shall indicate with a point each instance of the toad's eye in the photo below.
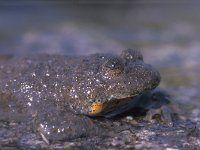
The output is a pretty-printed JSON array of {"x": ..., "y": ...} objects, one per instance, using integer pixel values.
[
  {"x": 132, "y": 55},
  {"x": 113, "y": 67}
]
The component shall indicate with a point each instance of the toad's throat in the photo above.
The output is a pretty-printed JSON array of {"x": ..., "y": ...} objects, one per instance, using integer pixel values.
[{"x": 100, "y": 109}]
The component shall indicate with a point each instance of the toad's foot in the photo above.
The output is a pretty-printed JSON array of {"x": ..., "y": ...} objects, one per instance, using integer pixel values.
[{"x": 164, "y": 113}]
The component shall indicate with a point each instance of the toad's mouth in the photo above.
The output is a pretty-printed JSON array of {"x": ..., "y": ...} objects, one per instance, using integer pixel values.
[{"x": 102, "y": 109}]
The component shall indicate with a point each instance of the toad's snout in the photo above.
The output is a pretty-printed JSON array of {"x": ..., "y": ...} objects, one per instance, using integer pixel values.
[{"x": 144, "y": 77}]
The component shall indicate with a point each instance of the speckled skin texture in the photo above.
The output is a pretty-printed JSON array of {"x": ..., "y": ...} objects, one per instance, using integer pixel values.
[{"x": 50, "y": 92}]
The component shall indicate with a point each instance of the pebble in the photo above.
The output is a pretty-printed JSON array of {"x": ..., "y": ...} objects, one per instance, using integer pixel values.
[{"x": 129, "y": 117}]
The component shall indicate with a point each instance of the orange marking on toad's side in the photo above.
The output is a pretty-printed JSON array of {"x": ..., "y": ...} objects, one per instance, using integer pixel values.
[{"x": 96, "y": 108}]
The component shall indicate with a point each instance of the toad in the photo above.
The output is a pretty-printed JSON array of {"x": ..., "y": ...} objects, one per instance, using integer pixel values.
[{"x": 55, "y": 93}]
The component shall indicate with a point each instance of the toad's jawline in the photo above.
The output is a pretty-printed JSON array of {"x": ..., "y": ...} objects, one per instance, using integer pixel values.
[{"x": 99, "y": 109}]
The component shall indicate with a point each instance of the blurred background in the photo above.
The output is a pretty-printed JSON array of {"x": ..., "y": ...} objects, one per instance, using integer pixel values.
[{"x": 167, "y": 33}]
